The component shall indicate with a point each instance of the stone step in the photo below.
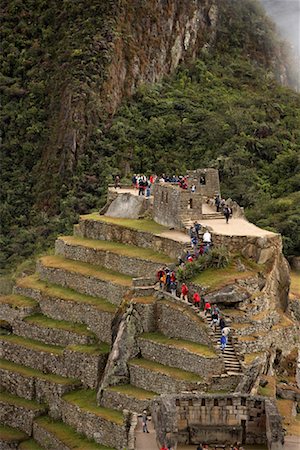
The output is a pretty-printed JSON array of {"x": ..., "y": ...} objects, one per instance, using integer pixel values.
[
  {"x": 19, "y": 412},
  {"x": 186, "y": 355},
  {"x": 10, "y": 438},
  {"x": 127, "y": 396},
  {"x": 85, "y": 278},
  {"x": 83, "y": 362},
  {"x": 105, "y": 425},
  {"x": 58, "y": 303},
  {"x": 35, "y": 385},
  {"x": 57, "y": 435},
  {"x": 146, "y": 374},
  {"x": 16, "y": 306},
  {"x": 52, "y": 331},
  {"x": 123, "y": 258}
]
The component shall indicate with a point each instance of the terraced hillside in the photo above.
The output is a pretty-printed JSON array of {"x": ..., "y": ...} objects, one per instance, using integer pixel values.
[{"x": 88, "y": 341}]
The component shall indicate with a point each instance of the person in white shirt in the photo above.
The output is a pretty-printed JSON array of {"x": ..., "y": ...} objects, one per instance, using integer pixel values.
[{"x": 207, "y": 237}]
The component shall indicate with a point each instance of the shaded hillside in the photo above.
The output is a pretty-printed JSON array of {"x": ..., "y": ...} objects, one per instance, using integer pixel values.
[{"x": 66, "y": 66}]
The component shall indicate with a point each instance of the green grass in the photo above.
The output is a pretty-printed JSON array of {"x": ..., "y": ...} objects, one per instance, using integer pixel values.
[
  {"x": 214, "y": 279},
  {"x": 11, "y": 434},
  {"x": 120, "y": 249},
  {"x": 172, "y": 372},
  {"x": 86, "y": 401},
  {"x": 133, "y": 391},
  {"x": 249, "y": 357},
  {"x": 29, "y": 372},
  {"x": 32, "y": 344},
  {"x": 30, "y": 445},
  {"x": 147, "y": 300},
  {"x": 58, "y": 262},
  {"x": 199, "y": 349},
  {"x": 68, "y": 436},
  {"x": 46, "y": 322},
  {"x": 90, "y": 349},
  {"x": 56, "y": 291},
  {"x": 136, "y": 224},
  {"x": 5, "y": 397},
  {"x": 18, "y": 301}
]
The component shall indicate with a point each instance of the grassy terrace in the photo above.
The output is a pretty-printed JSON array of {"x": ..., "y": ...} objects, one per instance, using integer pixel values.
[
  {"x": 17, "y": 301},
  {"x": 5, "y": 397},
  {"x": 173, "y": 372},
  {"x": 86, "y": 401},
  {"x": 29, "y": 445},
  {"x": 121, "y": 249},
  {"x": 249, "y": 357},
  {"x": 33, "y": 344},
  {"x": 270, "y": 389},
  {"x": 58, "y": 262},
  {"x": 56, "y": 291},
  {"x": 147, "y": 300},
  {"x": 199, "y": 349},
  {"x": 214, "y": 279},
  {"x": 29, "y": 372},
  {"x": 290, "y": 422},
  {"x": 43, "y": 321},
  {"x": 136, "y": 224},
  {"x": 10, "y": 434},
  {"x": 68, "y": 436},
  {"x": 133, "y": 391}
]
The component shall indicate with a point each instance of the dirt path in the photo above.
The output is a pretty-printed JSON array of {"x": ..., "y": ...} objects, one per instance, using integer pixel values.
[{"x": 145, "y": 441}]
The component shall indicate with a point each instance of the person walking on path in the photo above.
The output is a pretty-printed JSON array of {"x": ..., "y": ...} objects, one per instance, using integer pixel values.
[
  {"x": 197, "y": 228},
  {"x": 217, "y": 202},
  {"x": 184, "y": 293},
  {"x": 223, "y": 341},
  {"x": 145, "y": 420},
  {"x": 173, "y": 288},
  {"x": 196, "y": 300},
  {"x": 226, "y": 331},
  {"x": 207, "y": 308},
  {"x": 227, "y": 212}
]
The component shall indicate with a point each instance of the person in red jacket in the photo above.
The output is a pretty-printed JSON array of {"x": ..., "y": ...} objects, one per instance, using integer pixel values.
[
  {"x": 207, "y": 308},
  {"x": 184, "y": 293},
  {"x": 196, "y": 299}
]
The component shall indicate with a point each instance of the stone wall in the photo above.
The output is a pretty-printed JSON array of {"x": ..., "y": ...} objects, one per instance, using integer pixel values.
[
  {"x": 173, "y": 204},
  {"x": 176, "y": 320},
  {"x": 20, "y": 417},
  {"x": 98, "y": 321},
  {"x": 112, "y": 399},
  {"x": 194, "y": 418},
  {"x": 211, "y": 187},
  {"x": 86, "y": 284},
  {"x": 95, "y": 229},
  {"x": 136, "y": 267},
  {"x": 180, "y": 358},
  {"x": 94, "y": 426}
]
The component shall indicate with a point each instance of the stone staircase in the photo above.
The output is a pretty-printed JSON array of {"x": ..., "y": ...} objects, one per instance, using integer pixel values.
[{"x": 232, "y": 363}]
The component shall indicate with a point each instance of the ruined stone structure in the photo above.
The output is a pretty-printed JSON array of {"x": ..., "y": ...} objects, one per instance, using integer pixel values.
[
  {"x": 217, "y": 419},
  {"x": 206, "y": 181},
  {"x": 88, "y": 341}
]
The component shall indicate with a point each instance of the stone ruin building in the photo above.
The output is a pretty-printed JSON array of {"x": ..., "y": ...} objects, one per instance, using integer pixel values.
[{"x": 88, "y": 341}]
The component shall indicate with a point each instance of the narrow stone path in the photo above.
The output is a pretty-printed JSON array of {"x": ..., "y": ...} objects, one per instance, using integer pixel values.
[{"x": 145, "y": 441}]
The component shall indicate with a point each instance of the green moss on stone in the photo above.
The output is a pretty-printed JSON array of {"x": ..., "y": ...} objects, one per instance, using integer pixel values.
[
  {"x": 133, "y": 391},
  {"x": 172, "y": 372},
  {"x": 5, "y": 397},
  {"x": 17, "y": 301},
  {"x": 46, "y": 322},
  {"x": 10, "y": 434}
]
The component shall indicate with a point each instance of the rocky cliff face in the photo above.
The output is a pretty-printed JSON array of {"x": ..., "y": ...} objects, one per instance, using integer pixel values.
[{"x": 140, "y": 42}]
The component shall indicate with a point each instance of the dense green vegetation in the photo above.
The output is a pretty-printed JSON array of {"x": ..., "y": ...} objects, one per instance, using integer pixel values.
[
  {"x": 227, "y": 113},
  {"x": 225, "y": 110}
]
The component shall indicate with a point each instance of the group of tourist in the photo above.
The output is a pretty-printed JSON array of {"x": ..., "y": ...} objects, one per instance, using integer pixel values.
[
  {"x": 167, "y": 280},
  {"x": 199, "y": 247}
]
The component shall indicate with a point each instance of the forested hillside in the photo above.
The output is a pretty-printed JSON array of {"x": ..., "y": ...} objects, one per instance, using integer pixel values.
[{"x": 223, "y": 107}]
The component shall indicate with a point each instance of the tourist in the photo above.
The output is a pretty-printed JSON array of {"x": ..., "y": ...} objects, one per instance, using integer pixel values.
[
  {"x": 173, "y": 288},
  {"x": 222, "y": 323},
  {"x": 207, "y": 308},
  {"x": 197, "y": 228},
  {"x": 134, "y": 180},
  {"x": 222, "y": 204},
  {"x": 184, "y": 293},
  {"x": 217, "y": 202},
  {"x": 227, "y": 212},
  {"x": 117, "y": 182},
  {"x": 144, "y": 421},
  {"x": 223, "y": 341},
  {"x": 226, "y": 331},
  {"x": 201, "y": 249},
  {"x": 200, "y": 447},
  {"x": 207, "y": 237},
  {"x": 196, "y": 300},
  {"x": 214, "y": 319},
  {"x": 193, "y": 189},
  {"x": 194, "y": 242},
  {"x": 168, "y": 279},
  {"x": 164, "y": 447},
  {"x": 163, "y": 280}
]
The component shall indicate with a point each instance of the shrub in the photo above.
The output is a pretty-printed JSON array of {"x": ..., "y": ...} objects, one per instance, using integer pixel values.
[{"x": 215, "y": 258}]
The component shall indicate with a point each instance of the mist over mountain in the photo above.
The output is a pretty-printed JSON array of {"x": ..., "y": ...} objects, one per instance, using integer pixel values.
[{"x": 286, "y": 14}]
